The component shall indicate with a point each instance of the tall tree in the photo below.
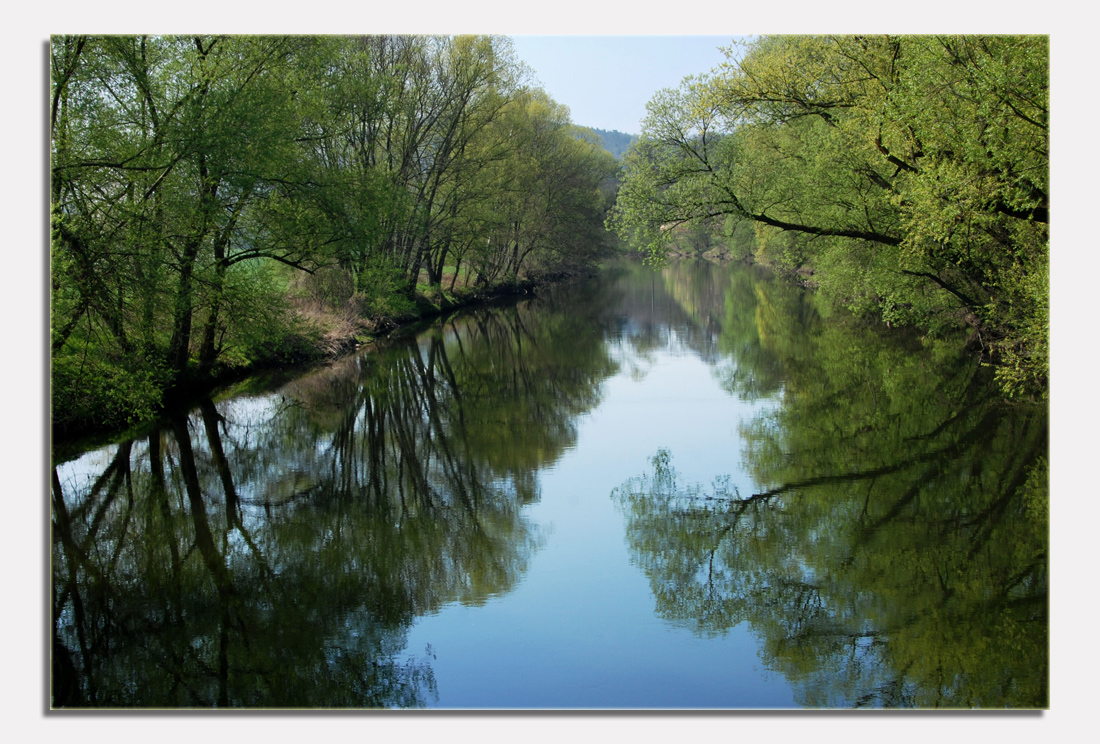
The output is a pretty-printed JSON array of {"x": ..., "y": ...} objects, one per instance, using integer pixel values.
[
  {"x": 195, "y": 177},
  {"x": 171, "y": 156}
]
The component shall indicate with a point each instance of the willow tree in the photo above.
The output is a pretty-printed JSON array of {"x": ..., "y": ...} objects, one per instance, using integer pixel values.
[
  {"x": 909, "y": 174},
  {"x": 175, "y": 163},
  {"x": 545, "y": 195},
  {"x": 189, "y": 172}
]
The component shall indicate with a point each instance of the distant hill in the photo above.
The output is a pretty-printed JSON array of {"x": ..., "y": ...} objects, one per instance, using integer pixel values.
[{"x": 615, "y": 142}]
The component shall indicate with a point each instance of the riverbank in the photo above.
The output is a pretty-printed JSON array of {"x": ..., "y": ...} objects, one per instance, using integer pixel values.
[
  {"x": 323, "y": 334},
  {"x": 336, "y": 332},
  {"x": 803, "y": 275}
]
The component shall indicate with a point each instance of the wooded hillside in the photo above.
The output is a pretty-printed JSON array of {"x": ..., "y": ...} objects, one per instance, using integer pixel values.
[{"x": 615, "y": 142}]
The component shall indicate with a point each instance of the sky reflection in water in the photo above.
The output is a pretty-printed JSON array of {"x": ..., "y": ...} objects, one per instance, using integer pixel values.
[{"x": 675, "y": 489}]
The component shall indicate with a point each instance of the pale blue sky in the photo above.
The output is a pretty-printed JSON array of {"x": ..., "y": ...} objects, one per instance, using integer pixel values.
[{"x": 606, "y": 81}]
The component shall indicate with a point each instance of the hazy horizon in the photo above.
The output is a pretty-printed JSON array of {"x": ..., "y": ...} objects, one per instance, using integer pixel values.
[{"x": 606, "y": 81}]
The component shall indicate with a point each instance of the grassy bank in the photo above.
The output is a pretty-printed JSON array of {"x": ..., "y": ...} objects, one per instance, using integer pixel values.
[{"x": 315, "y": 323}]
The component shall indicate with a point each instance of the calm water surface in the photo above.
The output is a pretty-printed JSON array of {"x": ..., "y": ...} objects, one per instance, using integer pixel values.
[{"x": 692, "y": 488}]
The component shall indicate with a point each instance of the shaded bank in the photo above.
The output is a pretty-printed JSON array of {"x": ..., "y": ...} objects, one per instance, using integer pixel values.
[{"x": 334, "y": 333}]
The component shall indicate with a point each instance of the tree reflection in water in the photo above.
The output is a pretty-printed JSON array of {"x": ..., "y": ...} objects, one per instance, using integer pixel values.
[
  {"x": 274, "y": 550},
  {"x": 895, "y": 551}
]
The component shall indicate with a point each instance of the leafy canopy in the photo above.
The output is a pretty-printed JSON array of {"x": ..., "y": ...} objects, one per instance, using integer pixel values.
[{"x": 909, "y": 175}]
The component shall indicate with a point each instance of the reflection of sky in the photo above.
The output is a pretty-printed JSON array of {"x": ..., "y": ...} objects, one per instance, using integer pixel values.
[
  {"x": 580, "y": 628},
  {"x": 77, "y": 476},
  {"x": 245, "y": 417}
]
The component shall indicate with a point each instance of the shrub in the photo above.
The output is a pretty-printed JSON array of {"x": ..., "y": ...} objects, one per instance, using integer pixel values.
[{"x": 89, "y": 393}]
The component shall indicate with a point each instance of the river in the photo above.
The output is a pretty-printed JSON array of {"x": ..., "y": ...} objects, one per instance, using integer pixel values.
[{"x": 697, "y": 487}]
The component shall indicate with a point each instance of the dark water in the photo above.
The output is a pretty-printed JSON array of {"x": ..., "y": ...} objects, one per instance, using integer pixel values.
[{"x": 686, "y": 489}]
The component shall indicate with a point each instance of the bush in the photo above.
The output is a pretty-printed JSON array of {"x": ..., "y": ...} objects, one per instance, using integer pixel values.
[
  {"x": 330, "y": 287},
  {"x": 89, "y": 393}
]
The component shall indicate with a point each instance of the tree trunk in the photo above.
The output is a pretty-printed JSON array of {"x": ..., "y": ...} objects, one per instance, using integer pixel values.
[
  {"x": 454, "y": 276},
  {"x": 208, "y": 352},
  {"x": 180, "y": 345}
]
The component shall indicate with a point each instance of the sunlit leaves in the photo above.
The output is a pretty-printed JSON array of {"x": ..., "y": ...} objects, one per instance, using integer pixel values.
[
  {"x": 909, "y": 172},
  {"x": 184, "y": 167}
]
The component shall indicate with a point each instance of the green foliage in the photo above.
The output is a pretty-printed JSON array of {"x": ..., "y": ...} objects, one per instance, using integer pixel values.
[
  {"x": 330, "y": 287},
  {"x": 1025, "y": 356},
  {"x": 548, "y": 201},
  {"x": 908, "y": 174},
  {"x": 614, "y": 141},
  {"x": 111, "y": 393},
  {"x": 382, "y": 286},
  {"x": 740, "y": 238},
  {"x": 259, "y": 326},
  {"x": 184, "y": 168}
]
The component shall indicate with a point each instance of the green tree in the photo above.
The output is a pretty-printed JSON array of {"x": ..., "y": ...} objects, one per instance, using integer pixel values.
[
  {"x": 551, "y": 191},
  {"x": 175, "y": 168},
  {"x": 196, "y": 180},
  {"x": 909, "y": 174}
]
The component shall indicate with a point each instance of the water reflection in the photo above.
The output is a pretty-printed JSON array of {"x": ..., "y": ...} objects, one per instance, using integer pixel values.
[
  {"x": 273, "y": 550},
  {"x": 894, "y": 552},
  {"x": 882, "y": 530}
]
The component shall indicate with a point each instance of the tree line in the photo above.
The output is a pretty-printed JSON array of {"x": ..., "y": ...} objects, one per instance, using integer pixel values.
[
  {"x": 614, "y": 141},
  {"x": 205, "y": 189},
  {"x": 907, "y": 175}
]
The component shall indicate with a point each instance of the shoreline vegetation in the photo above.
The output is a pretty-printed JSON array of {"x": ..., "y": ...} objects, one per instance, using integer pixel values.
[
  {"x": 227, "y": 203},
  {"x": 906, "y": 177},
  {"x": 327, "y": 334}
]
